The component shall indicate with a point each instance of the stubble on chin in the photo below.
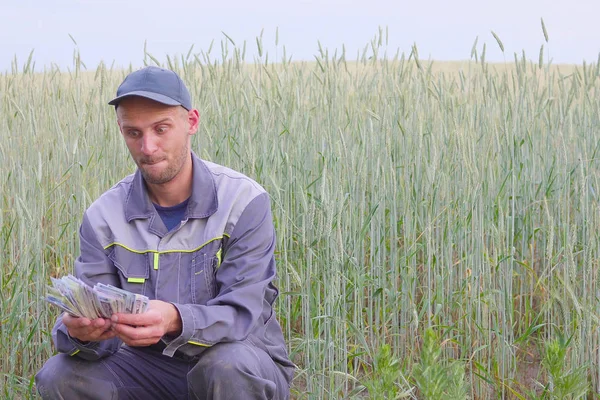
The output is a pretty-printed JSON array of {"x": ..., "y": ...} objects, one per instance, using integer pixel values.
[
  {"x": 163, "y": 176},
  {"x": 167, "y": 174}
]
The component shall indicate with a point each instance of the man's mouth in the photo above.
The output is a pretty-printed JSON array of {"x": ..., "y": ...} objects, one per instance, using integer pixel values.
[{"x": 150, "y": 162}]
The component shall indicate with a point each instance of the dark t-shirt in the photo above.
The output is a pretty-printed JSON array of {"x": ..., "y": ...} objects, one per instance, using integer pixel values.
[{"x": 172, "y": 216}]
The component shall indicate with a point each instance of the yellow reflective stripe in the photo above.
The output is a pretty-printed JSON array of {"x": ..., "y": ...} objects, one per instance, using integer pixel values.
[
  {"x": 128, "y": 248},
  {"x": 196, "y": 249},
  {"x": 198, "y": 343},
  {"x": 165, "y": 251},
  {"x": 136, "y": 280},
  {"x": 75, "y": 352},
  {"x": 158, "y": 253},
  {"x": 219, "y": 257}
]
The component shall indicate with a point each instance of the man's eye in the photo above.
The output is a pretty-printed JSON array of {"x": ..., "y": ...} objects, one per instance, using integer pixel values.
[
  {"x": 161, "y": 129},
  {"x": 133, "y": 134}
]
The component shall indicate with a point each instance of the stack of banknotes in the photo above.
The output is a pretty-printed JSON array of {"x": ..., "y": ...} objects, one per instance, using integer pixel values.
[{"x": 101, "y": 301}]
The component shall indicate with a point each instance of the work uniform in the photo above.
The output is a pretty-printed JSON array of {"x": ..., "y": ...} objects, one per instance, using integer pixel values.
[{"x": 216, "y": 267}]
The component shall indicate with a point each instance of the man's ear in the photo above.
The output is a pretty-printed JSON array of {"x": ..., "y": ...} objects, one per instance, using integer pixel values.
[{"x": 193, "y": 117}]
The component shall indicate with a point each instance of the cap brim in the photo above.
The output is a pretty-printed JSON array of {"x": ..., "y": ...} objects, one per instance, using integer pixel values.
[{"x": 149, "y": 95}]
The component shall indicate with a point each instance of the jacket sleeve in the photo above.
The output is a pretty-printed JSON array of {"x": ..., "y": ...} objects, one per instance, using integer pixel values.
[
  {"x": 91, "y": 266},
  {"x": 247, "y": 269}
]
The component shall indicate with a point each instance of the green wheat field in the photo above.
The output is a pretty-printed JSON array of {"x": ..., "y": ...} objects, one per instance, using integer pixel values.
[{"x": 438, "y": 223}]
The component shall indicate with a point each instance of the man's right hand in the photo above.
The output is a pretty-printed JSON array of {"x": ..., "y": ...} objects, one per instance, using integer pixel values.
[{"x": 86, "y": 330}]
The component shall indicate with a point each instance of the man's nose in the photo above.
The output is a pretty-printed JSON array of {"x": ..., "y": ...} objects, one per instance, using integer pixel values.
[{"x": 149, "y": 144}]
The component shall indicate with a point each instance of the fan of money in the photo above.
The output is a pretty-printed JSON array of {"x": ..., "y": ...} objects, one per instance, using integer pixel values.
[{"x": 101, "y": 301}]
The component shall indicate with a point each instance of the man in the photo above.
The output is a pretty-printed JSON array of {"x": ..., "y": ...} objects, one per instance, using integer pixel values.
[{"x": 197, "y": 239}]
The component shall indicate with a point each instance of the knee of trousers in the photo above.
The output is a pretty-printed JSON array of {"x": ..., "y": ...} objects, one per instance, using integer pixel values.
[
  {"x": 225, "y": 362},
  {"x": 66, "y": 377}
]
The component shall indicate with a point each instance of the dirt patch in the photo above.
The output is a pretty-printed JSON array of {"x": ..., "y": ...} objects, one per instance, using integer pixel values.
[{"x": 529, "y": 369}]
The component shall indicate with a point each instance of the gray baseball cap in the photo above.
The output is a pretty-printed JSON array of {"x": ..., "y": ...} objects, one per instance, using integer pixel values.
[{"x": 158, "y": 84}]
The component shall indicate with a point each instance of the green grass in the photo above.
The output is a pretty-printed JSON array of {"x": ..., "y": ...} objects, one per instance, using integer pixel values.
[{"x": 407, "y": 199}]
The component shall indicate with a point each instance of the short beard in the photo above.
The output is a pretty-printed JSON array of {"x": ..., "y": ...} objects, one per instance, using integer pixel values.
[{"x": 170, "y": 172}]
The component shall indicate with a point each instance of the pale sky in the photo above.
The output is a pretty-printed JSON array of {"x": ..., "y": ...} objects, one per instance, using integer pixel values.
[{"x": 115, "y": 30}]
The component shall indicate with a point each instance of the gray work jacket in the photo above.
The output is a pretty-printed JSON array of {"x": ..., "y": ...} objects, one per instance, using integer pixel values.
[{"x": 216, "y": 267}]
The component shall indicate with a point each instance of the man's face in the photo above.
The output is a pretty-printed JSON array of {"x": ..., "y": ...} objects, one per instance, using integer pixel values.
[{"x": 157, "y": 136}]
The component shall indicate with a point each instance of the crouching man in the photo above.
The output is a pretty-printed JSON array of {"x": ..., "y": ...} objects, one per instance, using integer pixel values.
[{"x": 195, "y": 237}]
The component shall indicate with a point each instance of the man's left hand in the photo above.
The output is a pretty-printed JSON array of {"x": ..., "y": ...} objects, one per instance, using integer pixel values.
[{"x": 148, "y": 328}]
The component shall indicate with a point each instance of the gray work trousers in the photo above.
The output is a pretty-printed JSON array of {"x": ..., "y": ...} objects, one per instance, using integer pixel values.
[{"x": 235, "y": 370}]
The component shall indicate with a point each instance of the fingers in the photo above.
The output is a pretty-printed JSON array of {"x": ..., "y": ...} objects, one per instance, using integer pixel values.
[
  {"x": 72, "y": 322},
  {"x": 109, "y": 334},
  {"x": 87, "y": 330},
  {"x": 138, "y": 336},
  {"x": 133, "y": 329},
  {"x": 144, "y": 329},
  {"x": 99, "y": 333},
  {"x": 151, "y": 317}
]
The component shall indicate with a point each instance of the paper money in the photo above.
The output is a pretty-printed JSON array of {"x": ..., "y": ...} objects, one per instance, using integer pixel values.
[{"x": 101, "y": 301}]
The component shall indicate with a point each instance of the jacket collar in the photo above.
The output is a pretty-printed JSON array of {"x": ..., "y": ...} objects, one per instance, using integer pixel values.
[{"x": 202, "y": 203}]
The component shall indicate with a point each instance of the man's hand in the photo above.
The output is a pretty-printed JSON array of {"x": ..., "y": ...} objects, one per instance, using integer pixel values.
[
  {"x": 148, "y": 328},
  {"x": 86, "y": 330}
]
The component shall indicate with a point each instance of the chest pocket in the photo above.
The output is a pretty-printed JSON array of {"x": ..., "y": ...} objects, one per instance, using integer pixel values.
[
  {"x": 204, "y": 268},
  {"x": 134, "y": 269},
  {"x": 204, "y": 265}
]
